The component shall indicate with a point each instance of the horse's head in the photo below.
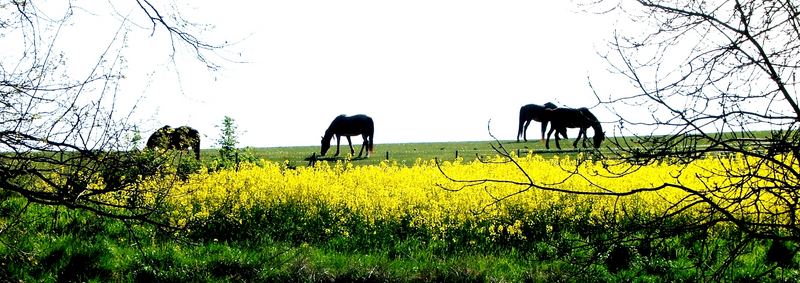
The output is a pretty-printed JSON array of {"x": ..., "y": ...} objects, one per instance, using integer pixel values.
[
  {"x": 326, "y": 144},
  {"x": 598, "y": 138}
]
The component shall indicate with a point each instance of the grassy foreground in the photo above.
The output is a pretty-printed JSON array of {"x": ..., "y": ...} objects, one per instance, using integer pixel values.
[{"x": 387, "y": 222}]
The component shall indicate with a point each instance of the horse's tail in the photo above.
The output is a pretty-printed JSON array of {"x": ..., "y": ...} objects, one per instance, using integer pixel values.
[
  {"x": 370, "y": 143},
  {"x": 196, "y": 149}
]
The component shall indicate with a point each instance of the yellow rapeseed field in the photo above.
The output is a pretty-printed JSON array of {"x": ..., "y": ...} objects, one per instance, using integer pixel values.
[{"x": 431, "y": 199}]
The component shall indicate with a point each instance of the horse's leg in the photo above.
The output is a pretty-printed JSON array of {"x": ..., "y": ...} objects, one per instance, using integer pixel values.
[
  {"x": 338, "y": 139},
  {"x": 363, "y": 145},
  {"x": 564, "y": 133},
  {"x": 558, "y": 146},
  {"x": 350, "y": 143},
  {"x": 525, "y": 130},
  {"x": 585, "y": 136},
  {"x": 547, "y": 140},
  {"x": 581, "y": 132}
]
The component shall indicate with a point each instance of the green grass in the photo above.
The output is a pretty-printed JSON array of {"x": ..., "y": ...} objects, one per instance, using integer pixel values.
[
  {"x": 114, "y": 256},
  {"x": 82, "y": 247},
  {"x": 402, "y": 153},
  {"x": 408, "y": 153}
]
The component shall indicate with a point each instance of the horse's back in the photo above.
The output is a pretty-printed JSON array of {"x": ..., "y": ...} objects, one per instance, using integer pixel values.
[
  {"x": 185, "y": 137},
  {"x": 355, "y": 124},
  {"x": 567, "y": 113},
  {"x": 567, "y": 117},
  {"x": 528, "y": 108},
  {"x": 537, "y": 107},
  {"x": 169, "y": 137},
  {"x": 361, "y": 117},
  {"x": 365, "y": 124},
  {"x": 188, "y": 131},
  {"x": 367, "y": 120}
]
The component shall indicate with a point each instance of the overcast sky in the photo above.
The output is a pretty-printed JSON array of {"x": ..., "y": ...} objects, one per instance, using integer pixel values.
[{"x": 425, "y": 71}]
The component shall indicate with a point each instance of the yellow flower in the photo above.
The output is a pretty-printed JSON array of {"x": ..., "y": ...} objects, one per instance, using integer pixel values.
[{"x": 388, "y": 191}]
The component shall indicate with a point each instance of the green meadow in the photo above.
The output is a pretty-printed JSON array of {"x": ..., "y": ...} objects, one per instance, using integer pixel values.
[{"x": 403, "y": 153}]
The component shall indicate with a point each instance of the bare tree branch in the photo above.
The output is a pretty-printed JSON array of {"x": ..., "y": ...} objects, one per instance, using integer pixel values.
[
  {"x": 64, "y": 139},
  {"x": 716, "y": 79}
]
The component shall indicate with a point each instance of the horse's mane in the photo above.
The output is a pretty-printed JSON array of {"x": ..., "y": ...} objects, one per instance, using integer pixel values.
[
  {"x": 595, "y": 123},
  {"x": 332, "y": 127}
]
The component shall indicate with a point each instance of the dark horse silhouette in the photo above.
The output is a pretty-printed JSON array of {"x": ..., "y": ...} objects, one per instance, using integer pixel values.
[
  {"x": 536, "y": 113},
  {"x": 179, "y": 138},
  {"x": 349, "y": 126},
  {"x": 582, "y": 118}
]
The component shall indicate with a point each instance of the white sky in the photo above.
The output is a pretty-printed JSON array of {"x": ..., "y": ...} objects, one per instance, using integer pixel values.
[{"x": 423, "y": 70}]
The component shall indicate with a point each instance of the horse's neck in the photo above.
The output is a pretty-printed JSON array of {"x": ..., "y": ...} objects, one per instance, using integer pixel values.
[
  {"x": 596, "y": 127},
  {"x": 328, "y": 134}
]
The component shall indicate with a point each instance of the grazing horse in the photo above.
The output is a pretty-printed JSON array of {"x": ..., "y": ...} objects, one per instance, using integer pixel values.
[
  {"x": 536, "y": 113},
  {"x": 582, "y": 118},
  {"x": 349, "y": 126},
  {"x": 179, "y": 138}
]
